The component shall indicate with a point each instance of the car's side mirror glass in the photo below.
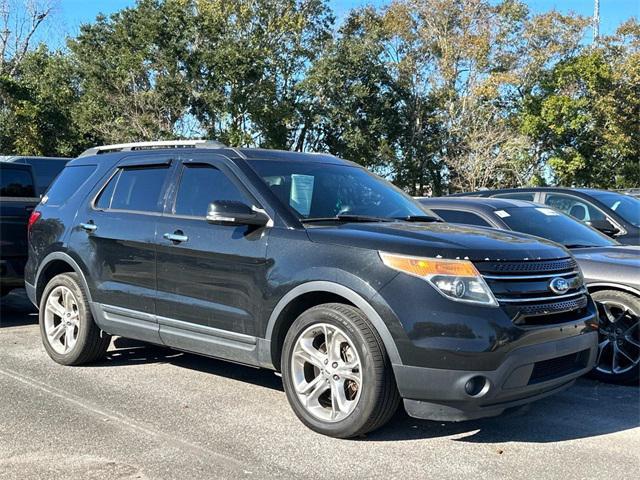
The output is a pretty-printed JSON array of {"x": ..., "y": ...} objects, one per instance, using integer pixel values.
[{"x": 226, "y": 212}]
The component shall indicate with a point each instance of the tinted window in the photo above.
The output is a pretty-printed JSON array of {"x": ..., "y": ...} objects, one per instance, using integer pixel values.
[
  {"x": 320, "y": 190},
  {"x": 139, "y": 189},
  {"x": 104, "y": 200},
  {"x": 456, "y": 216},
  {"x": 574, "y": 206},
  {"x": 199, "y": 186},
  {"x": 16, "y": 182},
  {"x": 45, "y": 170},
  {"x": 69, "y": 181},
  {"x": 552, "y": 225},
  {"x": 528, "y": 196},
  {"x": 626, "y": 206}
]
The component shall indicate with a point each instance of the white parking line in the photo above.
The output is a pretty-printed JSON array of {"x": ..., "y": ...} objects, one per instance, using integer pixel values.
[{"x": 128, "y": 423}]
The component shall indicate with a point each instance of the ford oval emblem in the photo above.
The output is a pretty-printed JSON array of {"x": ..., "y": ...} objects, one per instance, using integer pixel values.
[{"x": 559, "y": 285}]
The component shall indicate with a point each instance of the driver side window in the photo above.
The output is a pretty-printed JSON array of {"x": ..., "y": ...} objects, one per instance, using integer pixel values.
[
  {"x": 202, "y": 184},
  {"x": 575, "y": 207}
]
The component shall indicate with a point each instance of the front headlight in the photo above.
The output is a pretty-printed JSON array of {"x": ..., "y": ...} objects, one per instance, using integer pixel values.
[{"x": 457, "y": 280}]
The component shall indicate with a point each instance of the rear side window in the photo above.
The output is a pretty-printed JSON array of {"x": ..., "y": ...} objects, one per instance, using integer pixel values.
[
  {"x": 527, "y": 196},
  {"x": 199, "y": 186},
  {"x": 16, "y": 182},
  {"x": 457, "y": 216},
  {"x": 67, "y": 183},
  {"x": 134, "y": 188}
]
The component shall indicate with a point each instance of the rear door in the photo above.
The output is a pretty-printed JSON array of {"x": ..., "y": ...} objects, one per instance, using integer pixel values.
[
  {"x": 115, "y": 235},
  {"x": 210, "y": 281}
]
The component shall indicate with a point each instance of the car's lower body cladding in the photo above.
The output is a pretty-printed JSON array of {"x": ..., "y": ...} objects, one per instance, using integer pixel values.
[{"x": 527, "y": 374}]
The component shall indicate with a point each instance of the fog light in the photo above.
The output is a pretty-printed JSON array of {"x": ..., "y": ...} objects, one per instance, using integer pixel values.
[{"x": 476, "y": 386}]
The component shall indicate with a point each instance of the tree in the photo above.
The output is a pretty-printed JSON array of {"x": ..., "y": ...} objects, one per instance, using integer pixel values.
[
  {"x": 19, "y": 21},
  {"x": 248, "y": 62},
  {"x": 586, "y": 114},
  {"x": 41, "y": 102},
  {"x": 133, "y": 72},
  {"x": 352, "y": 103}
]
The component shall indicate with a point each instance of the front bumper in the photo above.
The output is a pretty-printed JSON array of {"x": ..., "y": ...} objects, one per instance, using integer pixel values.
[{"x": 526, "y": 374}]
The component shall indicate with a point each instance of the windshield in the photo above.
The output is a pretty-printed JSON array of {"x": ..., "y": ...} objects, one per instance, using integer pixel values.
[
  {"x": 626, "y": 206},
  {"x": 555, "y": 226},
  {"x": 319, "y": 190}
]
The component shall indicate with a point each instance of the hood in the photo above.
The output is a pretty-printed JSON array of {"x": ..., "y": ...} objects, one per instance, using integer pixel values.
[
  {"x": 619, "y": 265},
  {"x": 438, "y": 239},
  {"x": 615, "y": 254}
]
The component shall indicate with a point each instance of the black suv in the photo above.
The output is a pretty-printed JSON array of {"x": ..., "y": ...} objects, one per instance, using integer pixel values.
[{"x": 309, "y": 265}]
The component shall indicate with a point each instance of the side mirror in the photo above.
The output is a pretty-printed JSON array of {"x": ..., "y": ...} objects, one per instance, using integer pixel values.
[
  {"x": 225, "y": 212},
  {"x": 605, "y": 227}
]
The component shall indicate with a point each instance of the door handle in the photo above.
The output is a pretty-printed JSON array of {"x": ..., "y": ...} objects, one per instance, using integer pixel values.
[
  {"x": 89, "y": 227},
  {"x": 176, "y": 237}
]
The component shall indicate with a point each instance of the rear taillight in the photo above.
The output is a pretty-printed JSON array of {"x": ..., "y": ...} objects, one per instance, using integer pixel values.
[{"x": 33, "y": 218}]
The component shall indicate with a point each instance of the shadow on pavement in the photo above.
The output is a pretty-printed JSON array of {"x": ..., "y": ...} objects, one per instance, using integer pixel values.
[
  {"x": 16, "y": 310},
  {"x": 588, "y": 409}
]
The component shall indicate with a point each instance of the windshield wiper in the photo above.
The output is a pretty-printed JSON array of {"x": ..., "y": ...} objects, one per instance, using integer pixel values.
[
  {"x": 419, "y": 218},
  {"x": 348, "y": 218}
]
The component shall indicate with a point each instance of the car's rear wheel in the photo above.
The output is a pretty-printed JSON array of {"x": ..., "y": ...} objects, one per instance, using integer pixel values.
[
  {"x": 336, "y": 373},
  {"x": 69, "y": 334},
  {"x": 619, "y": 338}
]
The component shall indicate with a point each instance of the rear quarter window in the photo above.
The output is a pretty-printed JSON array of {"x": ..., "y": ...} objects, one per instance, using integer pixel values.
[{"x": 68, "y": 183}]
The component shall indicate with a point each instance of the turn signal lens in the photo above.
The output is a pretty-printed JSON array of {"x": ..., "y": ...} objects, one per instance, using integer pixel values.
[
  {"x": 422, "y": 267},
  {"x": 458, "y": 280}
]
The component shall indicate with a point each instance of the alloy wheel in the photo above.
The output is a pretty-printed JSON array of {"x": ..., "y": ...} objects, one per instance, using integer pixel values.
[
  {"x": 61, "y": 319},
  {"x": 327, "y": 372},
  {"x": 619, "y": 343}
]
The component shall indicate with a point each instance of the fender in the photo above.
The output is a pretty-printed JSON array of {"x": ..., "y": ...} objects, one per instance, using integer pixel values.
[
  {"x": 65, "y": 257},
  {"x": 614, "y": 286},
  {"x": 353, "y": 297}
]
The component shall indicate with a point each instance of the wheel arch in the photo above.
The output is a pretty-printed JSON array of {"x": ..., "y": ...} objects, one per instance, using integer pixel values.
[
  {"x": 309, "y": 294},
  {"x": 599, "y": 286},
  {"x": 54, "y": 264}
]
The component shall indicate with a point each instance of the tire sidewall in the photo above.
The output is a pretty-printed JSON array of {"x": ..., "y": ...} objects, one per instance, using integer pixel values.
[
  {"x": 370, "y": 378},
  {"x": 84, "y": 318}
]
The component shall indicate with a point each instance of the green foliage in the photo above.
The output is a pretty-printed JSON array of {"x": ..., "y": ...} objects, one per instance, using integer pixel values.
[
  {"x": 437, "y": 95},
  {"x": 37, "y": 107}
]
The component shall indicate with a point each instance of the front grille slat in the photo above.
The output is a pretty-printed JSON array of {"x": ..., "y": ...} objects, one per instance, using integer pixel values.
[{"x": 522, "y": 289}]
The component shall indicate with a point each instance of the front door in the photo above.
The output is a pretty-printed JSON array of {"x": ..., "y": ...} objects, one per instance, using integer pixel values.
[{"x": 210, "y": 277}]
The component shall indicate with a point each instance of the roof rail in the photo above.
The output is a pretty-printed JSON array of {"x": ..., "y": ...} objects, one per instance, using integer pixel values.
[{"x": 123, "y": 147}]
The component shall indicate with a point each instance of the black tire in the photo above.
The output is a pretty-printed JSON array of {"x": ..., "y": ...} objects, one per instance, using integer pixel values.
[
  {"x": 615, "y": 332},
  {"x": 379, "y": 396},
  {"x": 91, "y": 343}
]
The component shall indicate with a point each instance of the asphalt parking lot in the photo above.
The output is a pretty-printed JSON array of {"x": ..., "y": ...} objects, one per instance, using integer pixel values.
[{"x": 152, "y": 413}]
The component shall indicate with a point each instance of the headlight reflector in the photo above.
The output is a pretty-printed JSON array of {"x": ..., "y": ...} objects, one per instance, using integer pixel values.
[{"x": 457, "y": 280}]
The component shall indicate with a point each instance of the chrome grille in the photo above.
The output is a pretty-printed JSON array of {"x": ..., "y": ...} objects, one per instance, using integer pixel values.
[{"x": 523, "y": 290}]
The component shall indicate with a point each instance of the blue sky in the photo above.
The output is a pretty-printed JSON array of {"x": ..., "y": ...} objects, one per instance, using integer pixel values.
[{"x": 72, "y": 13}]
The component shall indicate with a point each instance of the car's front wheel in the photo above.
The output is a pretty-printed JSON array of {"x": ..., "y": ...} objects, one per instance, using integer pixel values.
[
  {"x": 336, "y": 373},
  {"x": 69, "y": 334},
  {"x": 619, "y": 337}
]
